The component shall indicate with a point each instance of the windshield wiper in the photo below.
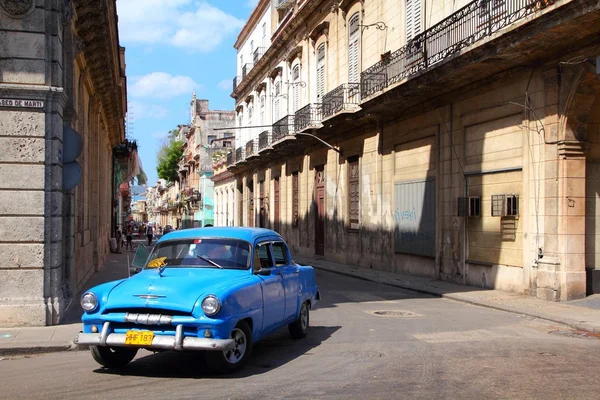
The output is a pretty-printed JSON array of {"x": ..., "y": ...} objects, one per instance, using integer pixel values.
[{"x": 208, "y": 260}]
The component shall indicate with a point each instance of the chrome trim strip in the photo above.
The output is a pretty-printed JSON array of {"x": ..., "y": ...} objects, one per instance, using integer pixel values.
[
  {"x": 159, "y": 342},
  {"x": 148, "y": 319}
]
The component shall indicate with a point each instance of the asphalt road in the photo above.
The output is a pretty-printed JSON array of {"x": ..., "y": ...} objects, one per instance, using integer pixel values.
[{"x": 367, "y": 341}]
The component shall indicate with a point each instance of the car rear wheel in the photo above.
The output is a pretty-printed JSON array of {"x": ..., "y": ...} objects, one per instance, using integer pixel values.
[
  {"x": 233, "y": 360},
  {"x": 113, "y": 357},
  {"x": 299, "y": 328}
]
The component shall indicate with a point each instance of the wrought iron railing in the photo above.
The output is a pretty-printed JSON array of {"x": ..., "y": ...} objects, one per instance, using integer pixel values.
[
  {"x": 341, "y": 98},
  {"x": 239, "y": 154},
  {"x": 236, "y": 81},
  {"x": 251, "y": 147},
  {"x": 475, "y": 21},
  {"x": 258, "y": 53},
  {"x": 246, "y": 69},
  {"x": 230, "y": 158},
  {"x": 308, "y": 116},
  {"x": 264, "y": 140},
  {"x": 283, "y": 127}
]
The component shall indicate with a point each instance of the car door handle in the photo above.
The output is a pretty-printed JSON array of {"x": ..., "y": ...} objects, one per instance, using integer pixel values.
[{"x": 297, "y": 271}]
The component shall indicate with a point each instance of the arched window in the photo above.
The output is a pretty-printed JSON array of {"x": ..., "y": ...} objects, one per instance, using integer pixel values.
[
  {"x": 262, "y": 109},
  {"x": 321, "y": 71},
  {"x": 276, "y": 101},
  {"x": 353, "y": 49},
  {"x": 296, "y": 88}
]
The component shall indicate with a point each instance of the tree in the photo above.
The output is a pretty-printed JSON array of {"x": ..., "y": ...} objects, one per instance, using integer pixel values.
[{"x": 168, "y": 157}]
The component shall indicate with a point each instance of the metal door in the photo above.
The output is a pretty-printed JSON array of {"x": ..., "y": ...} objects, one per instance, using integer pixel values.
[
  {"x": 276, "y": 199},
  {"x": 320, "y": 211}
]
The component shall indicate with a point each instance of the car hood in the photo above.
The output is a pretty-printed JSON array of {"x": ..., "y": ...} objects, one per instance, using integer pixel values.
[{"x": 177, "y": 289}]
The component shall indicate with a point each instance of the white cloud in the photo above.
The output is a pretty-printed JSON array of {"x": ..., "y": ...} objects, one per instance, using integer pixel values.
[
  {"x": 225, "y": 84},
  {"x": 188, "y": 24},
  {"x": 162, "y": 85},
  {"x": 139, "y": 111}
]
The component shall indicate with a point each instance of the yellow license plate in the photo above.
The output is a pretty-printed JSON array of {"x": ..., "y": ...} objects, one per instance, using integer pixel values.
[{"x": 139, "y": 338}]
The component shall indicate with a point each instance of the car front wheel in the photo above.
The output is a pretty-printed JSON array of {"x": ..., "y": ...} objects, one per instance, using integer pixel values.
[
  {"x": 113, "y": 357},
  {"x": 299, "y": 328},
  {"x": 234, "y": 359}
]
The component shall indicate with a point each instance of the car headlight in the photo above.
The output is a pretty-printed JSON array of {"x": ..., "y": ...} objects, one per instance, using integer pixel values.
[
  {"x": 89, "y": 301},
  {"x": 211, "y": 305}
]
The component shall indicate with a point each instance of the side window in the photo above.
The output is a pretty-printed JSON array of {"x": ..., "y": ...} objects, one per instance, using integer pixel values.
[
  {"x": 280, "y": 253},
  {"x": 262, "y": 256}
]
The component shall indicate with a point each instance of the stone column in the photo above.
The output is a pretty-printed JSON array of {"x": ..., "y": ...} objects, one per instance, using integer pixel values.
[
  {"x": 31, "y": 126},
  {"x": 569, "y": 96}
]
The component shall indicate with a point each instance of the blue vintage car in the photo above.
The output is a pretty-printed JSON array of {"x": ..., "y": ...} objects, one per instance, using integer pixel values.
[{"x": 213, "y": 289}]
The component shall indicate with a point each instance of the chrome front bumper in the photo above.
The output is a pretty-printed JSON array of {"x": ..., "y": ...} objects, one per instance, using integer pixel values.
[{"x": 177, "y": 342}]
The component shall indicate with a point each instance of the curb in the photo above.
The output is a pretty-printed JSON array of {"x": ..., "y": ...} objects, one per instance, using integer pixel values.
[
  {"x": 572, "y": 324},
  {"x": 24, "y": 349}
]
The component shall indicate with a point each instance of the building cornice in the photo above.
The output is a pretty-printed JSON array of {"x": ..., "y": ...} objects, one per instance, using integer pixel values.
[
  {"x": 95, "y": 23},
  {"x": 251, "y": 23}
]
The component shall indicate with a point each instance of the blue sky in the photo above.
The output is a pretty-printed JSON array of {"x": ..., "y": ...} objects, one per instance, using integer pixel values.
[{"x": 174, "y": 47}]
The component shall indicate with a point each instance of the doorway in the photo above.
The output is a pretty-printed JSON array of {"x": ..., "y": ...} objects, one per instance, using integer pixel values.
[{"x": 320, "y": 210}]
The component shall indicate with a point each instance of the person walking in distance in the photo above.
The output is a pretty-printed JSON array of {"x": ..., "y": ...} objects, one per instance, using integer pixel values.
[
  {"x": 129, "y": 237},
  {"x": 149, "y": 234}
]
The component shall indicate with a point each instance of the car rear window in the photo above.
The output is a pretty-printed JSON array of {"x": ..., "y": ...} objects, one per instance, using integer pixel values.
[{"x": 227, "y": 253}]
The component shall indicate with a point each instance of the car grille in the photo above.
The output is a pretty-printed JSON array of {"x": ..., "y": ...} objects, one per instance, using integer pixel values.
[{"x": 153, "y": 311}]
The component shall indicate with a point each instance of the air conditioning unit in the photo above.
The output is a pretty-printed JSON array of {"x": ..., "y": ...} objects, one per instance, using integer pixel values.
[
  {"x": 469, "y": 207},
  {"x": 505, "y": 205}
]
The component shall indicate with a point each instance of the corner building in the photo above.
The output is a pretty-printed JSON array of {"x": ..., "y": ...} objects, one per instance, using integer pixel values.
[
  {"x": 453, "y": 141},
  {"x": 61, "y": 71}
]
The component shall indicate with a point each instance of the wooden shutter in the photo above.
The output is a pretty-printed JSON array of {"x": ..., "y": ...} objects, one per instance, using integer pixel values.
[
  {"x": 295, "y": 200},
  {"x": 296, "y": 90},
  {"x": 353, "y": 194},
  {"x": 321, "y": 71},
  {"x": 276, "y": 105},
  {"x": 413, "y": 19},
  {"x": 353, "y": 49}
]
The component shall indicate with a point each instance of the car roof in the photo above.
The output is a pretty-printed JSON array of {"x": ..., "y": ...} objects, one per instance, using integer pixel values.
[{"x": 234, "y": 232}]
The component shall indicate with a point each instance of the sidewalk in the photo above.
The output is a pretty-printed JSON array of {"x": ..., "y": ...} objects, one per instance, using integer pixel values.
[
  {"x": 18, "y": 341},
  {"x": 579, "y": 314}
]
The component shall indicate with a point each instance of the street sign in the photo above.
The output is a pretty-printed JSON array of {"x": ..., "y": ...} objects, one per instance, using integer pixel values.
[{"x": 21, "y": 103}]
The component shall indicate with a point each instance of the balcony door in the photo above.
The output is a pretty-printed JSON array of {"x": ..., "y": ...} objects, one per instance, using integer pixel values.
[{"x": 320, "y": 210}]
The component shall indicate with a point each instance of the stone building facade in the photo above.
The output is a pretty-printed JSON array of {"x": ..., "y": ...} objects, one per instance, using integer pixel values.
[
  {"x": 453, "y": 141},
  {"x": 61, "y": 71}
]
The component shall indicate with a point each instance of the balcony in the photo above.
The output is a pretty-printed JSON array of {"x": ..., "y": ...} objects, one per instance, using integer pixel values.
[
  {"x": 264, "y": 140},
  {"x": 236, "y": 82},
  {"x": 308, "y": 116},
  {"x": 258, "y": 53},
  {"x": 251, "y": 148},
  {"x": 477, "y": 20},
  {"x": 239, "y": 154},
  {"x": 283, "y": 127},
  {"x": 246, "y": 69},
  {"x": 285, "y": 4},
  {"x": 345, "y": 97},
  {"x": 230, "y": 158}
]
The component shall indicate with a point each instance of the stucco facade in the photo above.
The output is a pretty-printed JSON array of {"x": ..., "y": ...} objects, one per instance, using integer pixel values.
[
  {"x": 61, "y": 68},
  {"x": 467, "y": 157}
]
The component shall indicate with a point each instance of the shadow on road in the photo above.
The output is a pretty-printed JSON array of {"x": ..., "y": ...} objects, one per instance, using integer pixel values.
[{"x": 272, "y": 352}]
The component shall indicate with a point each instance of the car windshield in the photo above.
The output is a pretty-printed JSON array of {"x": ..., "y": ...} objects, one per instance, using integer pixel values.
[{"x": 201, "y": 253}]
